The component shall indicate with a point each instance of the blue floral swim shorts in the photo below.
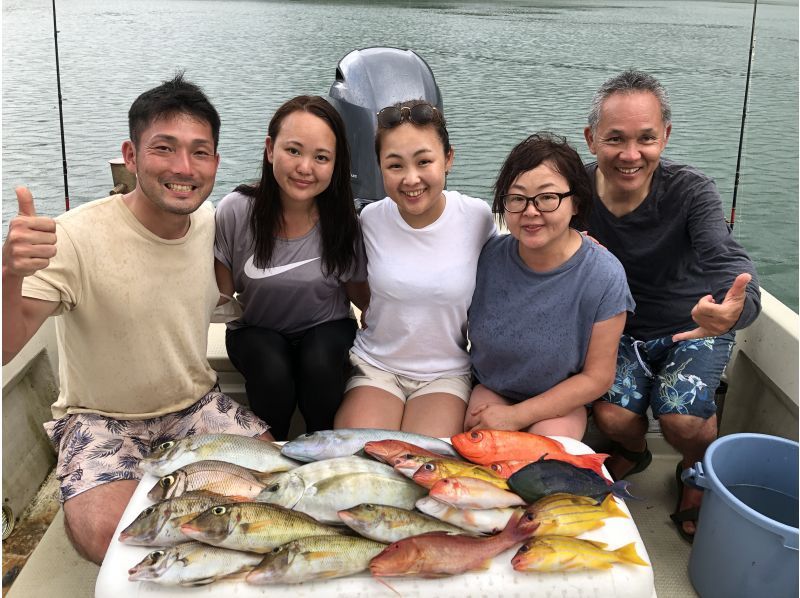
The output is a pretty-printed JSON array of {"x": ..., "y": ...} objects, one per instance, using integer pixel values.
[
  {"x": 670, "y": 377},
  {"x": 94, "y": 449}
]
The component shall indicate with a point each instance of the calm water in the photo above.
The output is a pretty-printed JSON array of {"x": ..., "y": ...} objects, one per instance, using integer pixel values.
[{"x": 505, "y": 70}]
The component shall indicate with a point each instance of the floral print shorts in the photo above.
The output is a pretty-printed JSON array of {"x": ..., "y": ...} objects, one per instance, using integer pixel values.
[
  {"x": 670, "y": 377},
  {"x": 94, "y": 449}
]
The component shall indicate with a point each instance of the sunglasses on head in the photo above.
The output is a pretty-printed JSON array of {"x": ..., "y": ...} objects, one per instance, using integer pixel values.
[{"x": 419, "y": 114}]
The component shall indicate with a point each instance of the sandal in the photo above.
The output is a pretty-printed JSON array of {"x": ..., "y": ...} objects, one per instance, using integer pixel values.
[
  {"x": 641, "y": 460},
  {"x": 690, "y": 514}
]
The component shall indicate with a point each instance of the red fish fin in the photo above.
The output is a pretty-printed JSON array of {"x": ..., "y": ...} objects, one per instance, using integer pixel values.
[{"x": 593, "y": 461}]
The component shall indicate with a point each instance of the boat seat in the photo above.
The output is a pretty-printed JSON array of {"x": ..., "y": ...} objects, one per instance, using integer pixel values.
[{"x": 54, "y": 568}]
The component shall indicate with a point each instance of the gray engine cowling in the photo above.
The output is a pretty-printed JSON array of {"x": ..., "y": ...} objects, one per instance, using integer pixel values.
[{"x": 366, "y": 81}]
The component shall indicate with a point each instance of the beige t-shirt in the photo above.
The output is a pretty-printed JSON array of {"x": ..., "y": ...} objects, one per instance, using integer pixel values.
[{"x": 135, "y": 308}]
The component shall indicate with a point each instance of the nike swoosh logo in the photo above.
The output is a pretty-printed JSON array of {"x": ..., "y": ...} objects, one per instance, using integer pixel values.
[{"x": 251, "y": 271}]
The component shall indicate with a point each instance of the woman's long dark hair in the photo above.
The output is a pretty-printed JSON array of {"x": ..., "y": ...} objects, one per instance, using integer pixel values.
[{"x": 337, "y": 214}]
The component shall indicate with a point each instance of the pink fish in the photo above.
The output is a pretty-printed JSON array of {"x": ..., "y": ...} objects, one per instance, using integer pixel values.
[{"x": 472, "y": 493}]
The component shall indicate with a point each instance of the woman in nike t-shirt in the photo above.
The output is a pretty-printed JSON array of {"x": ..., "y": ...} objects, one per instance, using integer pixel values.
[{"x": 290, "y": 247}]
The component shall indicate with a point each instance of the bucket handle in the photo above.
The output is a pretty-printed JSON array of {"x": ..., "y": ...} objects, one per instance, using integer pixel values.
[{"x": 695, "y": 477}]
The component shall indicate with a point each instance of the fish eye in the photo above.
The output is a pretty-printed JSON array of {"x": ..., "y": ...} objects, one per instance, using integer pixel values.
[
  {"x": 476, "y": 436},
  {"x": 148, "y": 510},
  {"x": 524, "y": 548},
  {"x": 156, "y": 554},
  {"x": 220, "y": 510},
  {"x": 429, "y": 467},
  {"x": 528, "y": 516},
  {"x": 308, "y": 435},
  {"x": 495, "y": 467},
  {"x": 277, "y": 550},
  {"x": 167, "y": 481},
  {"x": 369, "y": 507},
  {"x": 274, "y": 488},
  {"x": 165, "y": 445}
]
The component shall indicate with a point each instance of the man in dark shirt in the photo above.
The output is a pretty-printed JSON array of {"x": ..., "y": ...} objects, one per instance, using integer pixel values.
[{"x": 693, "y": 283}]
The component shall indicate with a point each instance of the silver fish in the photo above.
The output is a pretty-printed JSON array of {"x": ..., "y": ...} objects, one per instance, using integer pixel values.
[
  {"x": 481, "y": 521},
  {"x": 210, "y": 476},
  {"x": 387, "y": 524},
  {"x": 253, "y": 527},
  {"x": 160, "y": 524},
  {"x": 252, "y": 453},
  {"x": 287, "y": 488},
  {"x": 315, "y": 557},
  {"x": 192, "y": 564},
  {"x": 326, "y": 444}
]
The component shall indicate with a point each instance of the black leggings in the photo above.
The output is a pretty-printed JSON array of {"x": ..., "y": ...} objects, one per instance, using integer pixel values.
[{"x": 308, "y": 371}]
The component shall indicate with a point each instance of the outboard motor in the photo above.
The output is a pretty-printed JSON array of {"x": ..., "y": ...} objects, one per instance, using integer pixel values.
[{"x": 366, "y": 81}]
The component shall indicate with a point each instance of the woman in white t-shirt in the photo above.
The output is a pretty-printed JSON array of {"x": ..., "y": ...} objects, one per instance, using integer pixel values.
[
  {"x": 411, "y": 369},
  {"x": 290, "y": 247}
]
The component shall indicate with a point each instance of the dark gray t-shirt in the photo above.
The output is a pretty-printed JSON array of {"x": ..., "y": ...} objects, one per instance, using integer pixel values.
[
  {"x": 530, "y": 330},
  {"x": 676, "y": 248},
  {"x": 290, "y": 295}
]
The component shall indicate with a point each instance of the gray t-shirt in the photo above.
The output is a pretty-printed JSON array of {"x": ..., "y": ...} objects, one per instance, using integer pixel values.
[
  {"x": 291, "y": 294},
  {"x": 530, "y": 330}
]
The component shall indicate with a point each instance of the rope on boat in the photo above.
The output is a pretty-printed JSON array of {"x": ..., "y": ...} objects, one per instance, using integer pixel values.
[
  {"x": 744, "y": 114},
  {"x": 60, "y": 112}
]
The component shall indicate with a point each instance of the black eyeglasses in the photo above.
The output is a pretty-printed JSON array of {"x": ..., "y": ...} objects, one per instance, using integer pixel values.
[
  {"x": 544, "y": 202},
  {"x": 420, "y": 114}
]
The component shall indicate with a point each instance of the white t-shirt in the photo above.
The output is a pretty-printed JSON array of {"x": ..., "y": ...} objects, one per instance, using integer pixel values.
[{"x": 421, "y": 283}]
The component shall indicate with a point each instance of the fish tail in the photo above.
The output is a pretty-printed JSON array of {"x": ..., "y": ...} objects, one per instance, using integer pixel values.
[
  {"x": 611, "y": 508},
  {"x": 593, "y": 461},
  {"x": 620, "y": 490},
  {"x": 628, "y": 554}
]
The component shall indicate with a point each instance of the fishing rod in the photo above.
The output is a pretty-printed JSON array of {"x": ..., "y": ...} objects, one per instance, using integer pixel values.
[
  {"x": 60, "y": 112},
  {"x": 744, "y": 113}
]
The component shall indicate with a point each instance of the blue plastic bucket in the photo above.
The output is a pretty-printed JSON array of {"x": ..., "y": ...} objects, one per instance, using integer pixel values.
[{"x": 747, "y": 538}]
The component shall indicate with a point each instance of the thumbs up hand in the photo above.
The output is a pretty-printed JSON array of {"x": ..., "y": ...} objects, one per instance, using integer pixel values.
[
  {"x": 31, "y": 240},
  {"x": 714, "y": 319}
]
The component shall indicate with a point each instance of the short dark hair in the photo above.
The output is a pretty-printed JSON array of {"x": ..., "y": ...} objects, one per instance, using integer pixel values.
[
  {"x": 562, "y": 157},
  {"x": 173, "y": 97},
  {"x": 629, "y": 82},
  {"x": 439, "y": 124}
]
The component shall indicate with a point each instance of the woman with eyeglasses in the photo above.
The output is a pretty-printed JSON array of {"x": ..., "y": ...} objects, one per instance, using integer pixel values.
[
  {"x": 411, "y": 369},
  {"x": 290, "y": 247},
  {"x": 549, "y": 304}
]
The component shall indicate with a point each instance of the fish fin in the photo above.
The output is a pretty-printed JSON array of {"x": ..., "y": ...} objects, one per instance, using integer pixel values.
[
  {"x": 597, "y": 544},
  {"x": 379, "y": 580},
  {"x": 628, "y": 554},
  {"x": 593, "y": 461},
  {"x": 599, "y": 565},
  {"x": 620, "y": 490},
  {"x": 611, "y": 508},
  {"x": 200, "y": 582},
  {"x": 484, "y": 565}
]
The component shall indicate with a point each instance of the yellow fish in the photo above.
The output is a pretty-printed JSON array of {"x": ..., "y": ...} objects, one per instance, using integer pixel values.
[
  {"x": 557, "y": 553},
  {"x": 434, "y": 470},
  {"x": 568, "y": 515}
]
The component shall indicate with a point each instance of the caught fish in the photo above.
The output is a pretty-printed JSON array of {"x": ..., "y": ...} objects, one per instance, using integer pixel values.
[
  {"x": 479, "y": 521},
  {"x": 487, "y": 446},
  {"x": 210, "y": 476},
  {"x": 387, "y": 524},
  {"x": 568, "y": 515},
  {"x": 408, "y": 464},
  {"x": 253, "y": 527},
  {"x": 438, "y": 554},
  {"x": 557, "y": 553},
  {"x": 471, "y": 493},
  {"x": 326, "y": 444},
  {"x": 192, "y": 564},
  {"x": 542, "y": 478},
  {"x": 324, "y": 499},
  {"x": 252, "y": 453},
  {"x": 315, "y": 557},
  {"x": 387, "y": 450},
  {"x": 286, "y": 489},
  {"x": 505, "y": 469},
  {"x": 160, "y": 524},
  {"x": 438, "y": 469}
]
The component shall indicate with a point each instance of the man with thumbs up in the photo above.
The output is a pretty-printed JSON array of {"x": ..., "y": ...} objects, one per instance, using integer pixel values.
[
  {"x": 693, "y": 284},
  {"x": 131, "y": 278}
]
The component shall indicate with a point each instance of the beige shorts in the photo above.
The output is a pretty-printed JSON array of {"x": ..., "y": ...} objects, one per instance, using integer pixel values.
[{"x": 403, "y": 387}]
